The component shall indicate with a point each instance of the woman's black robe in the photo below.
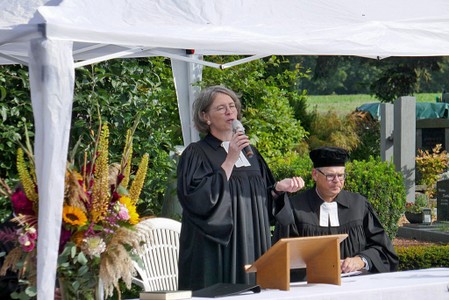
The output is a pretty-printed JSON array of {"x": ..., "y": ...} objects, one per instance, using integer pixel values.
[{"x": 225, "y": 224}]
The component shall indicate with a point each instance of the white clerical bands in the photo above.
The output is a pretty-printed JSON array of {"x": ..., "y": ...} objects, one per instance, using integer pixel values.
[
  {"x": 329, "y": 213},
  {"x": 242, "y": 161}
]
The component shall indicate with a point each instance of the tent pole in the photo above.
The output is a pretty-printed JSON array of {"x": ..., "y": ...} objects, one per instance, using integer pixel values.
[{"x": 52, "y": 78}]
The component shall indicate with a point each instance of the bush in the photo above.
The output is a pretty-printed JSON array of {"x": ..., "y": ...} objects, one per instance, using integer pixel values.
[
  {"x": 383, "y": 186},
  {"x": 368, "y": 131},
  {"x": 296, "y": 165},
  {"x": 331, "y": 130},
  {"x": 422, "y": 257},
  {"x": 430, "y": 165}
]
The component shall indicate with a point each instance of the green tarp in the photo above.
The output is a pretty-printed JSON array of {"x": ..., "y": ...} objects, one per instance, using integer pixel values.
[{"x": 424, "y": 110}]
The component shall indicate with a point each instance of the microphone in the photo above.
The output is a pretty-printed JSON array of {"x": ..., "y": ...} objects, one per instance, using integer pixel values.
[{"x": 237, "y": 126}]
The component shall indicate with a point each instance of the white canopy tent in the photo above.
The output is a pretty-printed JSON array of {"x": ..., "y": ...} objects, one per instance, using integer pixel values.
[{"x": 54, "y": 37}]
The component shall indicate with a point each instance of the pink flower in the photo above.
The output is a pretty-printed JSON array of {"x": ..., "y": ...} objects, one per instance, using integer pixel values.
[
  {"x": 23, "y": 239},
  {"x": 31, "y": 232},
  {"x": 27, "y": 238},
  {"x": 122, "y": 212},
  {"x": 29, "y": 247}
]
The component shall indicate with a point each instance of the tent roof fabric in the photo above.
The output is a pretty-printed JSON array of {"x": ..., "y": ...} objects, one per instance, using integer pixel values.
[
  {"x": 347, "y": 27},
  {"x": 289, "y": 27}
]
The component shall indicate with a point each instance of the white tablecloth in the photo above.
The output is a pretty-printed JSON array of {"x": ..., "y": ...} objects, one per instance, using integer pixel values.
[{"x": 423, "y": 284}]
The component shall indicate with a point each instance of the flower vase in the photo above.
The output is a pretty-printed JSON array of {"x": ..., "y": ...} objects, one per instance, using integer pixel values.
[
  {"x": 414, "y": 218},
  {"x": 70, "y": 290}
]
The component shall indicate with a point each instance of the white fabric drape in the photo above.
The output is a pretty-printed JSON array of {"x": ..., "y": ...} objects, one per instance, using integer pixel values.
[{"x": 52, "y": 82}]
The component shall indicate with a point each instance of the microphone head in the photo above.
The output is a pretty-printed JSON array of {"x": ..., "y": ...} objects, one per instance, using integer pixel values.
[{"x": 237, "y": 126}]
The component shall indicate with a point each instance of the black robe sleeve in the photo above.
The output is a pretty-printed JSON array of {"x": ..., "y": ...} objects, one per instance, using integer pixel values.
[
  {"x": 203, "y": 192},
  {"x": 379, "y": 251}
]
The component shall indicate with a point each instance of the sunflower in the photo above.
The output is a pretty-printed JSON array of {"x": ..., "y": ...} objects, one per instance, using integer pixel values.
[
  {"x": 133, "y": 215},
  {"x": 74, "y": 216}
]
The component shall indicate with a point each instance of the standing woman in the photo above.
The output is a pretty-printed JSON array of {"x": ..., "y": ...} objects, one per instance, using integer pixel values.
[{"x": 227, "y": 198}]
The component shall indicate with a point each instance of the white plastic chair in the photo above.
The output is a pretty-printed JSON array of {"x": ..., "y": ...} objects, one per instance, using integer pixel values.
[{"x": 159, "y": 254}]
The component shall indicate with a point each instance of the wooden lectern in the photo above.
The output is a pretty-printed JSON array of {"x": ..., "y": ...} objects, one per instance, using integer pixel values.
[{"x": 320, "y": 255}]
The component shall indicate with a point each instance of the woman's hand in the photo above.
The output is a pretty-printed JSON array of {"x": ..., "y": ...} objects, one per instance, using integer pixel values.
[
  {"x": 238, "y": 141},
  {"x": 289, "y": 185}
]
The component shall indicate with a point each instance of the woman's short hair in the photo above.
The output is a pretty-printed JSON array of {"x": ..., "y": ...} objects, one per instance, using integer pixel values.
[{"x": 204, "y": 101}]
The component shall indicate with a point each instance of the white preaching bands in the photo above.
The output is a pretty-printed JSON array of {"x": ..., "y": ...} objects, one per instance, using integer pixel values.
[
  {"x": 329, "y": 213},
  {"x": 242, "y": 161}
]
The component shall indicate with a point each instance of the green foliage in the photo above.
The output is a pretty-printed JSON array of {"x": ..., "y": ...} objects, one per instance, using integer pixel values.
[
  {"x": 383, "y": 186},
  {"x": 430, "y": 165},
  {"x": 421, "y": 201},
  {"x": 73, "y": 270},
  {"x": 399, "y": 76},
  {"x": 337, "y": 74},
  {"x": 422, "y": 257},
  {"x": 331, "y": 130},
  {"x": 15, "y": 114},
  {"x": 295, "y": 165},
  {"x": 118, "y": 91},
  {"x": 368, "y": 132},
  {"x": 386, "y": 79}
]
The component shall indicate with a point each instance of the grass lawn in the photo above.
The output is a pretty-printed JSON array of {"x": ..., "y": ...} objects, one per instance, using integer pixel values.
[{"x": 344, "y": 104}]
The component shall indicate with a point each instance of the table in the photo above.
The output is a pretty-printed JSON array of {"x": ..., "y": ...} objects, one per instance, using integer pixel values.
[{"x": 406, "y": 285}]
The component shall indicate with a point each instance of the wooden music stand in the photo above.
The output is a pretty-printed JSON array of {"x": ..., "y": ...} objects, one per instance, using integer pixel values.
[{"x": 320, "y": 255}]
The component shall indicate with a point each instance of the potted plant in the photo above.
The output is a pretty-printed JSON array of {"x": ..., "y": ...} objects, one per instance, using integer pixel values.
[{"x": 413, "y": 210}]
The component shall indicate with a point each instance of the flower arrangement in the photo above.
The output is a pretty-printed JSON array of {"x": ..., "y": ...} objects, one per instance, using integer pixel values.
[
  {"x": 97, "y": 233},
  {"x": 416, "y": 207}
]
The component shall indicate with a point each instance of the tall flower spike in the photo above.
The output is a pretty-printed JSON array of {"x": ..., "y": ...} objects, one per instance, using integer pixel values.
[
  {"x": 29, "y": 186},
  {"x": 126, "y": 159},
  {"x": 136, "y": 186},
  {"x": 100, "y": 196}
]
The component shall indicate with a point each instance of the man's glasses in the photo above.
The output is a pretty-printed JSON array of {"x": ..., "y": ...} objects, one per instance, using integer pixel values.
[{"x": 331, "y": 177}]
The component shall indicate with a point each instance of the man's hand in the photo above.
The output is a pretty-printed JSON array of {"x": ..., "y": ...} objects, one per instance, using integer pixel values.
[{"x": 352, "y": 264}]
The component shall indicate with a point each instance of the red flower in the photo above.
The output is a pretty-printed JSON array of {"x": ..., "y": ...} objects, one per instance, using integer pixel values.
[{"x": 21, "y": 204}]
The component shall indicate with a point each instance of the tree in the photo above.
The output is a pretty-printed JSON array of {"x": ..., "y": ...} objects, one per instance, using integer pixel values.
[
  {"x": 401, "y": 76},
  {"x": 387, "y": 79}
]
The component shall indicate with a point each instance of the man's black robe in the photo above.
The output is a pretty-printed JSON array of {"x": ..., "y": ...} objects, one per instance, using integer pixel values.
[
  {"x": 225, "y": 224},
  {"x": 357, "y": 218}
]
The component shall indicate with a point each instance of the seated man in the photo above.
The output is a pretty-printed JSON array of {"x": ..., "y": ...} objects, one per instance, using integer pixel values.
[{"x": 328, "y": 209}]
